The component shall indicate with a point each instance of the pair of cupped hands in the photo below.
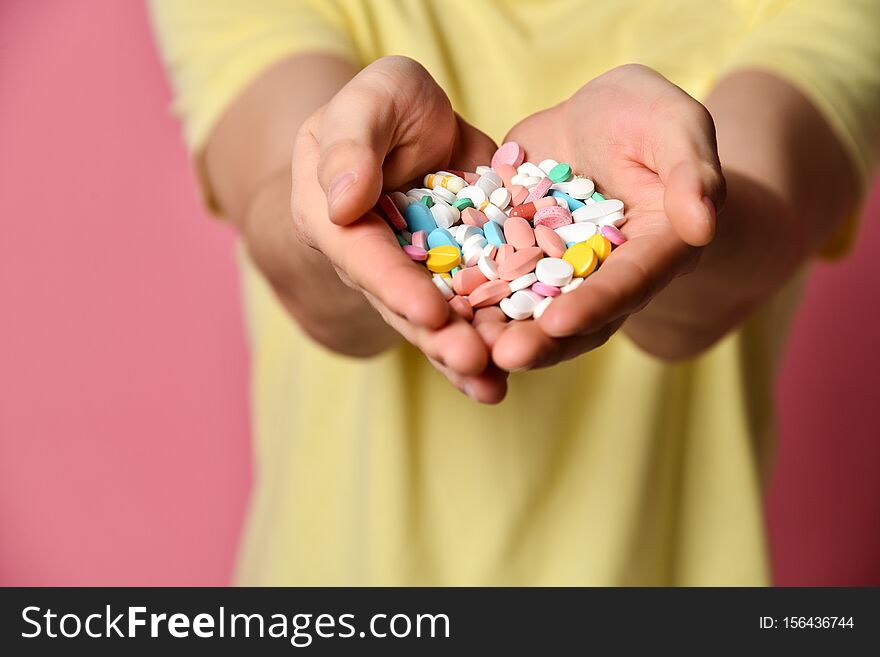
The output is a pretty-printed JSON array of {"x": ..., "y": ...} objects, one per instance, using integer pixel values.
[{"x": 638, "y": 136}]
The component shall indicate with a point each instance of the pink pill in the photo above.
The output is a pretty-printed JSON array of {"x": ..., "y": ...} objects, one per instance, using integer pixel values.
[
  {"x": 473, "y": 217},
  {"x": 471, "y": 178},
  {"x": 420, "y": 239},
  {"x": 462, "y": 307},
  {"x": 415, "y": 253},
  {"x": 545, "y": 290},
  {"x": 520, "y": 263},
  {"x": 518, "y": 194},
  {"x": 553, "y": 216},
  {"x": 503, "y": 253},
  {"x": 467, "y": 280},
  {"x": 539, "y": 191},
  {"x": 613, "y": 235},
  {"x": 549, "y": 240},
  {"x": 489, "y": 294},
  {"x": 518, "y": 233},
  {"x": 390, "y": 210},
  {"x": 508, "y": 153},
  {"x": 506, "y": 172}
]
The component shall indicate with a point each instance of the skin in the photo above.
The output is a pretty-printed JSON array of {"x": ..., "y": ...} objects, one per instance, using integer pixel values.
[{"x": 339, "y": 271}]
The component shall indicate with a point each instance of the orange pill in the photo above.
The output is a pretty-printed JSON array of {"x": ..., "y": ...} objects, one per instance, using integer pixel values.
[
  {"x": 504, "y": 252},
  {"x": 518, "y": 232},
  {"x": 550, "y": 241},
  {"x": 520, "y": 263},
  {"x": 467, "y": 280},
  {"x": 518, "y": 194},
  {"x": 473, "y": 217},
  {"x": 462, "y": 307},
  {"x": 526, "y": 210},
  {"x": 489, "y": 294},
  {"x": 506, "y": 172}
]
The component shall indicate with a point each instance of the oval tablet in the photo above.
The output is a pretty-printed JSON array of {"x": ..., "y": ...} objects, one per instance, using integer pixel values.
[
  {"x": 523, "y": 282},
  {"x": 545, "y": 290},
  {"x": 520, "y": 305},
  {"x": 489, "y": 294},
  {"x": 508, "y": 153},
  {"x": 488, "y": 267},
  {"x": 473, "y": 217},
  {"x": 500, "y": 197},
  {"x": 494, "y": 233},
  {"x": 504, "y": 252},
  {"x": 575, "y": 284},
  {"x": 520, "y": 263},
  {"x": 416, "y": 253},
  {"x": 610, "y": 233},
  {"x": 577, "y": 232},
  {"x": 540, "y": 190},
  {"x": 467, "y": 280},
  {"x": 439, "y": 237},
  {"x": 444, "y": 287},
  {"x": 551, "y": 243},
  {"x": 518, "y": 233},
  {"x": 552, "y": 217},
  {"x": 420, "y": 239},
  {"x": 418, "y": 217},
  {"x": 474, "y": 193},
  {"x": 392, "y": 212},
  {"x": 541, "y": 307}
]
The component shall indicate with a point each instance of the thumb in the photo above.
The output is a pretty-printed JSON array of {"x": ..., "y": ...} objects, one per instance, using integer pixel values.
[{"x": 391, "y": 121}]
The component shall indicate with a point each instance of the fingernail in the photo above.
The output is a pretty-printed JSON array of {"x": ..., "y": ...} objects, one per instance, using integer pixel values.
[
  {"x": 339, "y": 186},
  {"x": 469, "y": 391},
  {"x": 710, "y": 206}
]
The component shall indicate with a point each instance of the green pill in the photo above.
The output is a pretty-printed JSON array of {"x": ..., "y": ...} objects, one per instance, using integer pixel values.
[
  {"x": 597, "y": 197},
  {"x": 560, "y": 173},
  {"x": 462, "y": 204},
  {"x": 401, "y": 240},
  {"x": 427, "y": 200}
]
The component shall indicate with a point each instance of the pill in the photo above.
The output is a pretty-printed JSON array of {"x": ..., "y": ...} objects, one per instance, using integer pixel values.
[
  {"x": 518, "y": 233},
  {"x": 560, "y": 173},
  {"x": 601, "y": 246},
  {"x": 506, "y": 172},
  {"x": 473, "y": 217},
  {"x": 482, "y": 169},
  {"x": 575, "y": 284},
  {"x": 571, "y": 203},
  {"x": 613, "y": 219},
  {"x": 488, "y": 267},
  {"x": 495, "y": 214},
  {"x": 523, "y": 282},
  {"x": 463, "y": 232},
  {"x": 551, "y": 243},
  {"x": 400, "y": 200},
  {"x": 467, "y": 280},
  {"x": 445, "y": 216},
  {"x": 539, "y": 191},
  {"x": 441, "y": 194},
  {"x": 541, "y": 307},
  {"x": 545, "y": 290},
  {"x": 500, "y": 197},
  {"x": 582, "y": 258},
  {"x": 401, "y": 239},
  {"x": 439, "y": 237},
  {"x": 504, "y": 252},
  {"x": 444, "y": 287},
  {"x": 419, "y": 217},
  {"x": 554, "y": 271},
  {"x": 407, "y": 236},
  {"x": 489, "y": 294},
  {"x": 552, "y": 217},
  {"x": 508, "y": 153},
  {"x": 416, "y": 253},
  {"x": 580, "y": 188},
  {"x": 462, "y": 308},
  {"x": 520, "y": 263},
  {"x": 520, "y": 305},
  {"x": 591, "y": 212},
  {"x": 518, "y": 194},
  {"x": 454, "y": 271},
  {"x": 474, "y": 193},
  {"x": 530, "y": 169},
  {"x": 547, "y": 165},
  {"x": 392, "y": 212},
  {"x": 443, "y": 258},
  {"x": 476, "y": 241},
  {"x": 489, "y": 183},
  {"x": 596, "y": 196},
  {"x": 427, "y": 200},
  {"x": 613, "y": 235},
  {"x": 494, "y": 233},
  {"x": 420, "y": 239},
  {"x": 528, "y": 210},
  {"x": 462, "y": 203},
  {"x": 470, "y": 257},
  {"x": 526, "y": 181},
  {"x": 574, "y": 233},
  {"x": 489, "y": 250}
]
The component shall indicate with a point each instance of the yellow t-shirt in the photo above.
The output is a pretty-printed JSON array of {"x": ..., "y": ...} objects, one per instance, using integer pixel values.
[{"x": 377, "y": 472}]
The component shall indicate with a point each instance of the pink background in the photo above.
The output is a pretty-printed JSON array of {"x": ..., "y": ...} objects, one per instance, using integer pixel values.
[{"x": 124, "y": 453}]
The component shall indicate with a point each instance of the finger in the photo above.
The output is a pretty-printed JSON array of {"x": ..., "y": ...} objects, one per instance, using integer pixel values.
[
  {"x": 686, "y": 159},
  {"x": 456, "y": 345},
  {"x": 366, "y": 251},
  {"x": 626, "y": 281},
  {"x": 392, "y": 108},
  {"x": 525, "y": 346},
  {"x": 489, "y": 387}
]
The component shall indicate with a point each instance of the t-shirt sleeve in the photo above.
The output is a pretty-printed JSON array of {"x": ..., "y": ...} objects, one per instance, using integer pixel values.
[
  {"x": 212, "y": 49},
  {"x": 830, "y": 51}
]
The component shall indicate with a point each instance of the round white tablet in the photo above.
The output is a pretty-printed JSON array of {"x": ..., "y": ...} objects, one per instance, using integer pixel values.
[
  {"x": 523, "y": 282},
  {"x": 520, "y": 305},
  {"x": 554, "y": 271}
]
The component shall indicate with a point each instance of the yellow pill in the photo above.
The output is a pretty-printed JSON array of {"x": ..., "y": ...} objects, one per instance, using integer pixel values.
[
  {"x": 429, "y": 180},
  {"x": 582, "y": 257},
  {"x": 445, "y": 274},
  {"x": 443, "y": 258},
  {"x": 601, "y": 246}
]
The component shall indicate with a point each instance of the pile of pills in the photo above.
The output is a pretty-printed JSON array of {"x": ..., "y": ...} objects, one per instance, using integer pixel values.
[{"x": 514, "y": 234}]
